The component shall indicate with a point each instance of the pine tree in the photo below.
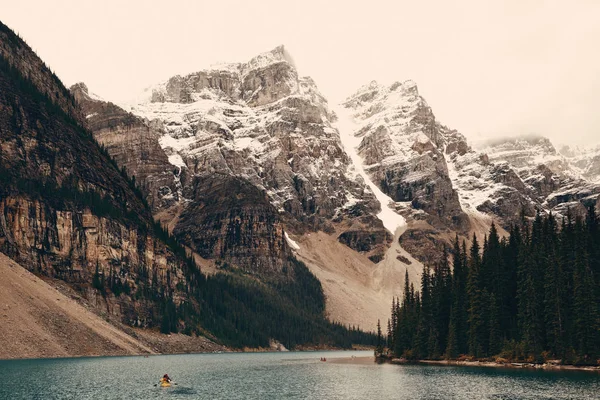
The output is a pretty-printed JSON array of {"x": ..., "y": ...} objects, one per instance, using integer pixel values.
[
  {"x": 477, "y": 334},
  {"x": 393, "y": 339},
  {"x": 452, "y": 346},
  {"x": 511, "y": 256},
  {"x": 495, "y": 339},
  {"x": 459, "y": 309},
  {"x": 379, "y": 345},
  {"x": 442, "y": 299},
  {"x": 425, "y": 317},
  {"x": 555, "y": 294}
]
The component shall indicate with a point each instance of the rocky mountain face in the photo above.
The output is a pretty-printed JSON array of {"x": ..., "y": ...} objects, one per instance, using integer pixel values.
[
  {"x": 268, "y": 134},
  {"x": 21, "y": 58},
  {"x": 244, "y": 229},
  {"x": 551, "y": 180},
  {"x": 133, "y": 144},
  {"x": 402, "y": 146},
  {"x": 65, "y": 210},
  {"x": 586, "y": 161},
  {"x": 441, "y": 184}
]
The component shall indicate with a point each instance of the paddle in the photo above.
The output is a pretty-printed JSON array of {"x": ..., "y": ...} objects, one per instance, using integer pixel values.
[{"x": 172, "y": 383}]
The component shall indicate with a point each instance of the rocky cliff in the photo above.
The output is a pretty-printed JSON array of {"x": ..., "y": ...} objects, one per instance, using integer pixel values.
[
  {"x": 260, "y": 123},
  {"x": 65, "y": 209},
  {"x": 549, "y": 180},
  {"x": 444, "y": 186},
  {"x": 230, "y": 219},
  {"x": 585, "y": 160},
  {"x": 402, "y": 146},
  {"x": 133, "y": 144}
]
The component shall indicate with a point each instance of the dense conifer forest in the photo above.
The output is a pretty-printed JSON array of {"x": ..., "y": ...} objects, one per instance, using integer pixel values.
[{"x": 533, "y": 296}]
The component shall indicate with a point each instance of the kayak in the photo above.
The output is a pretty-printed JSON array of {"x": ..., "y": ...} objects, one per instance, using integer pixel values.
[{"x": 165, "y": 384}]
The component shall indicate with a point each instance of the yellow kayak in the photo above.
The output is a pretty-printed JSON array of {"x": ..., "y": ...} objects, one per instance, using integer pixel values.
[{"x": 165, "y": 384}]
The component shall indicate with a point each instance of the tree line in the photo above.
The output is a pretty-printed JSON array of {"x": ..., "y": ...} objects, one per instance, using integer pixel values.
[{"x": 532, "y": 296}]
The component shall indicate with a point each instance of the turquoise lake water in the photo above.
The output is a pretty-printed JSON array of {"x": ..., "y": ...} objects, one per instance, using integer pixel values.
[{"x": 279, "y": 376}]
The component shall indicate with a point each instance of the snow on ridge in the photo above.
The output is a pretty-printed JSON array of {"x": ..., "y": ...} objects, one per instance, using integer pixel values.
[
  {"x": 472, "y": 184},
  {"x": 94, "y": 96},
  {"x": 225, "y": 66},
  {"x": 278, "y": 54},
  {"x": 394, "y": 95},
  {"x": 388, "y": 111},
  {"x": 142, "y": 98},
  {"x": 346, "y": 127}
]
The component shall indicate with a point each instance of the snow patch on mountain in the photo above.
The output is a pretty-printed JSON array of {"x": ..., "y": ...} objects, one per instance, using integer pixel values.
[
  {"x": 176, "y": 160},
  {"x": 290, "y": 242},
  {"x": 473, "y": 181},
  {"x": 389, "y": 111},
  {"x": 585, "y": 160},
  {"x": 347, "y": 127}
]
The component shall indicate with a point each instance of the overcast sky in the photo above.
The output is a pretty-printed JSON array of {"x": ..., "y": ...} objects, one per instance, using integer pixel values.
[{"x": 487, "y": 68}]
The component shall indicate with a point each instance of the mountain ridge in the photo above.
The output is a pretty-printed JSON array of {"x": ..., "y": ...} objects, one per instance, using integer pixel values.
[{"x": 252, "y": 120}]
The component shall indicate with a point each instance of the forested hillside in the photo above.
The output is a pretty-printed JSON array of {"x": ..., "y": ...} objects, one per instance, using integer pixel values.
[{"x": 532, "y": 296}]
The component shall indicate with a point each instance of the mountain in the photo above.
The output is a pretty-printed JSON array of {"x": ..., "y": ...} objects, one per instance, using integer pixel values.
[
  {"x": 256, "y": 159},
  {"x": 262, "y": 124},
  {"x": 132, "y": 144},
  {"x": 402, "y": 147},
  {"x": 554, "y": 182},
  {"x": 441, "y": 184},
  {"x": 66, "y": 211},
  {"x": 587, "y": 161},
  {"x": 248, "y": 164},
  {"x": 73, "y": 214}
]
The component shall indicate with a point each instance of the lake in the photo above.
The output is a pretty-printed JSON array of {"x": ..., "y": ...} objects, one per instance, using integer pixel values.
[{"x": 295, "y": 375}]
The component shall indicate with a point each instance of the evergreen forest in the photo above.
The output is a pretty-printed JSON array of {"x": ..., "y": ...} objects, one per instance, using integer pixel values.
[{"x": 533, "y": 296}]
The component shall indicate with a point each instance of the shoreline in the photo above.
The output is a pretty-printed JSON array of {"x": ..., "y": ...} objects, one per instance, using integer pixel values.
[
  {"x": 493, "y": 364},
  {"x": 224, "y": 350},
  {"x": 450, "y": 363}
]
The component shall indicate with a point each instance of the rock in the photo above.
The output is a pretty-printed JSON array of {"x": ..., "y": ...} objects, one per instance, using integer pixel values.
[
  {"x": 424, "y": 244},
  {"x": 66, "y": 212},
  {"x": 402, "y": 144},
  {"x": 232, "y": 220},
  {"x": 255, "y": 122},
  {"x": 133, "y": 144},
  {"x": 363, "y": 241}
]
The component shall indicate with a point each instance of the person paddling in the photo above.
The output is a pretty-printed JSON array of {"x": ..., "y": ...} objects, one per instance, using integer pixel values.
[{"x": 165, "y": 379}]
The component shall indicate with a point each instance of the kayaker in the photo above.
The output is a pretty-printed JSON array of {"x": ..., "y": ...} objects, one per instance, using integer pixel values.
[{"x": 165, "y": 378}]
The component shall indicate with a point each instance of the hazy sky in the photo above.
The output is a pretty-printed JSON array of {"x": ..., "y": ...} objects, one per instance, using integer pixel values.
[{"x": 487, "y": 68}]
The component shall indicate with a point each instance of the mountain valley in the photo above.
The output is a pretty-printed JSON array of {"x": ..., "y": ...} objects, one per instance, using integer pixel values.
[{"x": 241, "y": 185}]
